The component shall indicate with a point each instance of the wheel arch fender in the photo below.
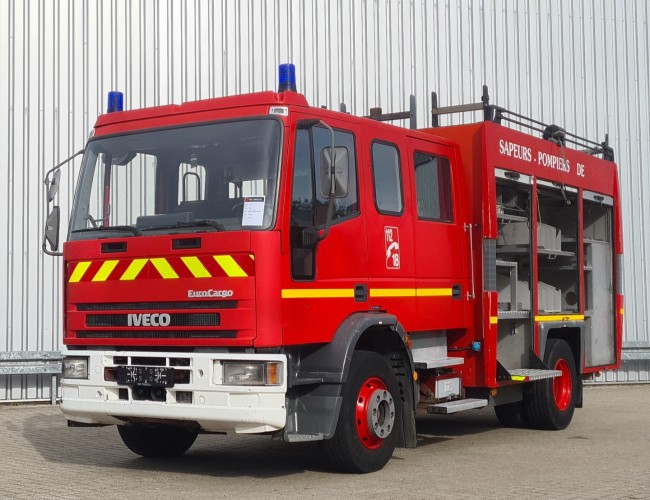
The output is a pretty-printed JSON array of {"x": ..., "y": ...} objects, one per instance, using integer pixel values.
[
  {"x": 573, "y": 333},
  {"x": 326, "y": 367},
  {"x": 331, "y": 362}
]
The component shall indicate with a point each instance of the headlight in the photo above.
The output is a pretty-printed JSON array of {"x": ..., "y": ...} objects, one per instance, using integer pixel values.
[
  {"x": 75, "y": 368},
  {"x": 247, "y": 373}
]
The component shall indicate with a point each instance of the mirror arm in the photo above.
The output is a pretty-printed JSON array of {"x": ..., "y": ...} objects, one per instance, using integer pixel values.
[
  {"x": 328, "y": 217},
  {"x": 59, "y": 165},
  {"x": 310, "y": 235},
  {"x": 51, "y": 232},
  {"x": 330, "y": 199},
  {"x": 53, "y": 254},
  {"x": 332, "y": 161}
]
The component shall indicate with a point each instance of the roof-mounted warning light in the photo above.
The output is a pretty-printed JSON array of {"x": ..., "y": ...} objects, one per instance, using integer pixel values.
[
  {"x": 287, "y": 78},
  {"x": 115, "y": 102}
]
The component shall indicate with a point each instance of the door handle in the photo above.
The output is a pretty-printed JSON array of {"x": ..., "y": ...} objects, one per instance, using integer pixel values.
[{"x": 456, "y": 292}]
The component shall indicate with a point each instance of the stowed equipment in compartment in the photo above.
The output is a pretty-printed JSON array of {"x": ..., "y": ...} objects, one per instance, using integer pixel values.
[
  {"x": 557, "y": 249},
  {"x": 513, "y": 269}
]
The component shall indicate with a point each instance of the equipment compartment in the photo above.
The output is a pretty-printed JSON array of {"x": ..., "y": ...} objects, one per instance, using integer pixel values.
[{"x": 599, "y": 280}]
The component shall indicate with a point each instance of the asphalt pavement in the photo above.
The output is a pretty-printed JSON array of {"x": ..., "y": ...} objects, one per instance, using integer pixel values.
[{"x": 605, "y": 453}]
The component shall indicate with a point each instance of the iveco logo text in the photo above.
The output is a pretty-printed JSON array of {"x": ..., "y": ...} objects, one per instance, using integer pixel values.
[
  {"x": 149, "y": 319},
  {"x": 193, "y": 294}
]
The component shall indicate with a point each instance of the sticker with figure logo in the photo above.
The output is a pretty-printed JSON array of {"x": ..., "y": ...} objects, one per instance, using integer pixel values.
[{"x": 391, "y": 238}]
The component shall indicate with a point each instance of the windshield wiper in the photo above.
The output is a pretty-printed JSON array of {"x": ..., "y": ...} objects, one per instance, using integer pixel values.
[
  {"x": 202, "y": 222},
  {"x": 194, "y": 223},
  {"x": 130, "y": 229}
]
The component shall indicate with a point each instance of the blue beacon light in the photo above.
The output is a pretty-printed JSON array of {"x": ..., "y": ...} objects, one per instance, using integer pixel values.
[
  {"x": 287, "y": 78},
  {"x": 115, "y": 102}
]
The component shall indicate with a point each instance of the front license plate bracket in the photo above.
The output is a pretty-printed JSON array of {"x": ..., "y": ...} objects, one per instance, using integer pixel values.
[{"x": 148, "y": 376}]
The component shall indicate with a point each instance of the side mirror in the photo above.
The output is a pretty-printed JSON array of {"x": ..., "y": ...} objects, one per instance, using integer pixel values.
[
  {"x": 52, "y": 223},
  {"x": 53, "y": 185},
  {"x": 340, "y": 175},
  {"x": 52, "y": 231}
]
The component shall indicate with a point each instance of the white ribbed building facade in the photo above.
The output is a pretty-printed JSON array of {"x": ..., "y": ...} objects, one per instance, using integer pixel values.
[{"x": 583, "y": 65}]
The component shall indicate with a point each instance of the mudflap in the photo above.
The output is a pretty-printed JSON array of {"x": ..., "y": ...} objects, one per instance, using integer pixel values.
[
  {"x": 408, "y": 432},
  {"x": 310, "y": 412}
]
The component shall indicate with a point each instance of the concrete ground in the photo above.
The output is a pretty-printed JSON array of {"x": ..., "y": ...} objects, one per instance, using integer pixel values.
[{"x": 605, "y": 453}]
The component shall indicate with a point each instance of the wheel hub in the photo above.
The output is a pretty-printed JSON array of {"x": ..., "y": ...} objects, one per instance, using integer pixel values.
[
  {"x": 381, "y": 413},
  {"x": 375, "y": 413},
  {"x": 562, "y": 385}
]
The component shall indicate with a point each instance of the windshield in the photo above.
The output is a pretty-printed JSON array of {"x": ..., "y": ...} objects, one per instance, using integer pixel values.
[{"x": 216, "y": 177}]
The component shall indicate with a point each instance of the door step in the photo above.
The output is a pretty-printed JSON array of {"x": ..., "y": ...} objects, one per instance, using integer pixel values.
[
  {"x": 429, "y": 364},
  {"x": 456, "y": 406},
  {"x": 528, "y": 374},
  {"x": 302, "y": 438}
]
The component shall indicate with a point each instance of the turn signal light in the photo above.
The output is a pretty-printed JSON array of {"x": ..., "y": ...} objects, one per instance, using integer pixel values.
[{"x": 273, "y": 374}]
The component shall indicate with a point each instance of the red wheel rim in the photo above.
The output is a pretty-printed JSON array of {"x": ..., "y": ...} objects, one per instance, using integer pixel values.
[
  {"x": 366, "y": 436},
  {"x": 562, "y": 385}
]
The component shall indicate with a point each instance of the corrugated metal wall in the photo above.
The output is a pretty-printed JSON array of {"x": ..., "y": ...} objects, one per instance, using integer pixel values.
[{"x": 584, "y": 65}]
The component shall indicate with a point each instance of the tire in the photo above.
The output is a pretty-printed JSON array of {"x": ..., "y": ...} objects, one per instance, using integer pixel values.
[
  {"x": 512, "y": 415},
  {"x": 365, "y": 435},
  {"x": 550, "y": 403},
  {"x": 161, "y": 441}
]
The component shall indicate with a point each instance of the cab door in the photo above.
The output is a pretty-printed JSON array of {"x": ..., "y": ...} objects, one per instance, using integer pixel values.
[
  {"x": 389, "y": 228},
  {"x": 441, "y": 254},
  {"x": 327, "y": 281}
]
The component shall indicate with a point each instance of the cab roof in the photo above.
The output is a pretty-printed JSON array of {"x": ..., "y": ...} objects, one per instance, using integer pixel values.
[{"x": 258, "y": 99}]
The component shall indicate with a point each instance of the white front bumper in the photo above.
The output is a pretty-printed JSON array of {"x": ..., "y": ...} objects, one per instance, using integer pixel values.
[{"x": 205, "y": 400}]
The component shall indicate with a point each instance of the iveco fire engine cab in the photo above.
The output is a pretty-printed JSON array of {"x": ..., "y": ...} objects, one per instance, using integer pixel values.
[{"x": 252, "y": 264}]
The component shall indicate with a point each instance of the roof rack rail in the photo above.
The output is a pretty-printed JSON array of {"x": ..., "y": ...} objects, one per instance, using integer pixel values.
[
  {"x": 411, "y": 114},
  {"x": 497, "y": 114}
]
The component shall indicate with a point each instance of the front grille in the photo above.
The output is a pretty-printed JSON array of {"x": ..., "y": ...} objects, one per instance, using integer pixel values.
[
  {"x": 175, "y": 320},
  {"x": 151, "y": 306},
  {"x": 157, "y": 334}
]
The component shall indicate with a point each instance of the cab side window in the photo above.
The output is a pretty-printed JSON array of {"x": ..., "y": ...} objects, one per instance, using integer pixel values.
[
  {"x": 308, "y": 205},
  {"x": 433, "y": 187},
  {"x": 387, "y": 179}
]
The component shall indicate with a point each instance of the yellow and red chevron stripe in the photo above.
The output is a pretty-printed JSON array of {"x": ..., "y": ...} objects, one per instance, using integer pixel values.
[{"x": 187, "y": 266}]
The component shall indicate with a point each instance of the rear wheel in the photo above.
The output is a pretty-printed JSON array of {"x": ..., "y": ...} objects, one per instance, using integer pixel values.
[
  {"x": 161, "y": 441},
  {"x": 365, "y": 436},
  {"x": 550, "y": 403}
]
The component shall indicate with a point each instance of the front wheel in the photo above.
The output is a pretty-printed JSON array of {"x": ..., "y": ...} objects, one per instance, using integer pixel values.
[
  {"x": 550, "y": 403},
  {"x": 365, "y": 436},
  {"x": 161, "y": 441}
]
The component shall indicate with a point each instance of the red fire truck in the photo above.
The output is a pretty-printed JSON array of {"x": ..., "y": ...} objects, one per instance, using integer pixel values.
[{"x": 252, "y": 264}]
